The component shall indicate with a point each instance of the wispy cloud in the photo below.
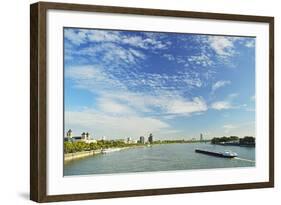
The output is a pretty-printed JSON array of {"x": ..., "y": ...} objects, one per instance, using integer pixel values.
[
  {"x": 112, "y": 107},
  {"x": 220, "y": 84},
  {"x": 76, "y": 37},
  {"x": 222, "y": 45},
  {"x": 241, "y": 128},
  {"x": 81, "y": 36},
  {"x": 101, "y": 124},
  {"x": 163, "y": 103},
  {"x": 229, "y": 127},
  {"x": 116, "y": 96},
  {"x": 187, "y": 107},
  {"x": 227, "y": 103},
  {"x": 221, "y": 105},
  {"x": 201, "y": 59},
  {"x": 250, "y": 43}
]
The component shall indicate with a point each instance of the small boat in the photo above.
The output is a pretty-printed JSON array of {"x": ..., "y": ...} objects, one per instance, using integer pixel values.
[
  {"x": 225, "y": 154},
  {"x": 104, "y": 151}
]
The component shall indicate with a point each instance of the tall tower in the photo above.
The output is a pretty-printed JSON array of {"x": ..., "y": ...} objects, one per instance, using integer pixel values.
[
  {"x": 87, "y": 136},
  {"x": 201, "y": 137},
  {"x": 69, "y": 133},
  {"x": 83, "y": 136},
  {"x": 150, "y": 138},
  {"x": 142, "y": 139}
]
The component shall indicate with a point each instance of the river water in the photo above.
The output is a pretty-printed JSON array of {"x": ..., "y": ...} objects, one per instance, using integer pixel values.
[{"x": 165, "y": 157}]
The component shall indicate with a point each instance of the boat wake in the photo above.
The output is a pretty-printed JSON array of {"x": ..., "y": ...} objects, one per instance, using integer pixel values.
[{"x": 247, "y": 160}]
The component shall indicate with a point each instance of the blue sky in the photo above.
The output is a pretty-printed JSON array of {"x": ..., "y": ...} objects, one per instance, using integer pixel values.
[{"x": 128, "y": 83}]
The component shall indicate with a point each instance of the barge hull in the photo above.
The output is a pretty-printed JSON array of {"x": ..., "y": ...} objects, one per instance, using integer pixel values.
[{"x": 216, "y": 154}]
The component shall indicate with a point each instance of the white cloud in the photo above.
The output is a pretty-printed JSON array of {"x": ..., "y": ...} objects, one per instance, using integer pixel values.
[
  {"x": 169, "y": 57},
  {"x": 250, "y": 43},
  {"x": 229, "y": 126},
  {"x": 224, "y": 48},
  {"x": 76, "y": 38},
  {"x": 103, "y": 36},
  {"x": 109, "y": 106},
  {"x": 202, "y": 59},
  {"x": 82, "y": 72},
  {"x": 186, "y": 107},
  {"x": 92, "y": 78},
  {"x": 165, "y": 105},
  {"x": 80, "y": 36},
  {"x": 101, "y": 124},
  {"x": 194, "y": 82},
  {"x": 114, "y": 96},
  {"x": 221, "y": 105},
  {"x": 144, "y": 43},
  {"x": 220, "y": 84},
  {"x": 232, "y": 96},
  {"x": 222, "y": 45},
  {"x": 227, "y": 103}
]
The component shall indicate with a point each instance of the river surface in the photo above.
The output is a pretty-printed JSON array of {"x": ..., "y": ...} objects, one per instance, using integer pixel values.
[{"x": 165, "y": 157}]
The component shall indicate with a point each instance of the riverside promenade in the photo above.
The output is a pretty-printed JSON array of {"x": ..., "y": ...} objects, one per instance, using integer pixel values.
[
  {"x": 78, "y": 155},
  {"x": 82, "y": 154}
]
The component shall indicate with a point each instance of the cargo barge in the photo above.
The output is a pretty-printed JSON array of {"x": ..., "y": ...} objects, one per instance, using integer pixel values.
[{"x": 226, "y": 154}]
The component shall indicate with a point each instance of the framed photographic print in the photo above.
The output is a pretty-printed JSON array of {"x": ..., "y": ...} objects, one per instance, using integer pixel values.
[{"x": 135, "y": 102}]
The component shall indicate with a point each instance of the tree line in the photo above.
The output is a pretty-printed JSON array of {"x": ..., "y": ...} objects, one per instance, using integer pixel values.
[
  {"x": 247, "y": 140},
  {"x": 79, "y": 146}
]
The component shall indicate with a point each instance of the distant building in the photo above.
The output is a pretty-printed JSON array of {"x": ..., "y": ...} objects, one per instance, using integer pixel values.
[
  {"x": 84, "y": 137},
  {"x": 88, "y": 137},
  {"x": 129, "y": 140},
  {"x": 103, "y": 138},
  {"x": 201, "y": 137},
  {"x": 150, "y": 138},
  {"x": 69, "y": 133},
  {"x": 142, "y": 139}
]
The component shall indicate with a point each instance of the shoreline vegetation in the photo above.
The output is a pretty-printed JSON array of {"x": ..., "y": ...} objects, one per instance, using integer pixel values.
[
  {"x": 81, "y": 149},
  {"x": 247, "y": 141}
]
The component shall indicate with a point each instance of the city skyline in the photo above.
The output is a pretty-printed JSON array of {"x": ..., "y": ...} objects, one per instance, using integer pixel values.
[
  {"x": 200, "y": 136},
  {"x": 124, "y": 83}
]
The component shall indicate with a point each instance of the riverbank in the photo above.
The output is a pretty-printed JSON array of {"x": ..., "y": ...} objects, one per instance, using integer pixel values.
[{"x": 79, "y": 155}]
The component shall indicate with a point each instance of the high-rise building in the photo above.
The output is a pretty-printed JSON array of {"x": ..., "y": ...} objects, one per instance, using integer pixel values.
[
  {"x": 201, "y": 137},
  {"x": 142, "y": 139},
  {"x": 150, "y": 138}
]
